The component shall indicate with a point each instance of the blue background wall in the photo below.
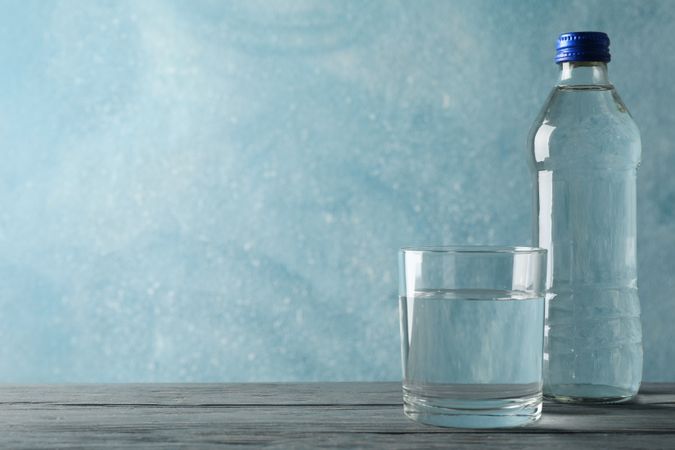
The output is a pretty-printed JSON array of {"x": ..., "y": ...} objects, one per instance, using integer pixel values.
[{"x": 206, "y": 190}]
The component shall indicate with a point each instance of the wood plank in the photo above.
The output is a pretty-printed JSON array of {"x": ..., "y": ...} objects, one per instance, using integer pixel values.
[
  {"x": 120, "y": 426},
  {"x": 318, "y": 415},
  {"x": 305, "y": 419},
  {"x": 342, "y": 393},
  {"x": 212, "y": 439}
]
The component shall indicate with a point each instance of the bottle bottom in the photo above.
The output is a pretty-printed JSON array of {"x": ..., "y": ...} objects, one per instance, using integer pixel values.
[{"x": 588, "y": 393}]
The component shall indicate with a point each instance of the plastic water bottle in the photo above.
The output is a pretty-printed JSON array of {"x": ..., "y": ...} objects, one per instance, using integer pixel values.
[{"x": 585, "y": 153}]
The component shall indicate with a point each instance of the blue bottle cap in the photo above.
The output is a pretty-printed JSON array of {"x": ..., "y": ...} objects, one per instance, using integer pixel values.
[{"x": 582, "y": 46}]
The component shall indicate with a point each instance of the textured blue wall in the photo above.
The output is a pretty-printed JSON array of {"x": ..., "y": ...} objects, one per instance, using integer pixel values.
[{"x": 205, "y": 190}]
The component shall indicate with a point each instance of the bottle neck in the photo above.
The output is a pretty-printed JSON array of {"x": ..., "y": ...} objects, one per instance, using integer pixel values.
[{"x": 583, "y": 73}]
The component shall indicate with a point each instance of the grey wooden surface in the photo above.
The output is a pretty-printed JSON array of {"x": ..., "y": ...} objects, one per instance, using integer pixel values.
[{"x": 311, "y": 415}]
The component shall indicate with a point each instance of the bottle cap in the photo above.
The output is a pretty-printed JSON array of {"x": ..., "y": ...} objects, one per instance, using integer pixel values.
[{"x": 582, "y": 46}]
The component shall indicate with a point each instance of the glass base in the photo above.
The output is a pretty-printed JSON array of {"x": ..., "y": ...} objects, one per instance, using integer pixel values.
[
  {"x": 587, "y": 394},
  {"x": 500, "y": 413}
]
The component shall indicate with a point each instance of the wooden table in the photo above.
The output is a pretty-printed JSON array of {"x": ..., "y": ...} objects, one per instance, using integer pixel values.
[{"x": 312, "y": 415}]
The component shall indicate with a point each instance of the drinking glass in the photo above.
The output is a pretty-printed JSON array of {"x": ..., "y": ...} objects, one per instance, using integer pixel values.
[{"x": 472, "y": 329}]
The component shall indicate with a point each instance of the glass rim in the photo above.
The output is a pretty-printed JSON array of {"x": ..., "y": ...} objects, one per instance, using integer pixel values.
[{"x": 473, "y": 249}]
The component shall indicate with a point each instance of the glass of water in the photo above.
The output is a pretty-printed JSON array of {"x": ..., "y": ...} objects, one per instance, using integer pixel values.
[{"x": 472, "y": 331}]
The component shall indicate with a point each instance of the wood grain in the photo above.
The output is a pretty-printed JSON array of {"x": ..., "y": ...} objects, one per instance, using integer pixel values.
[{"x": 309, "y": 415}]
